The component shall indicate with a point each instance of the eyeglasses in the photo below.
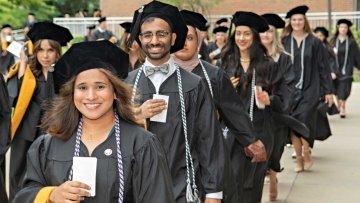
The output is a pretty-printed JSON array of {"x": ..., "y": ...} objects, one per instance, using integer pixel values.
[{"x": 161, "y": 35}]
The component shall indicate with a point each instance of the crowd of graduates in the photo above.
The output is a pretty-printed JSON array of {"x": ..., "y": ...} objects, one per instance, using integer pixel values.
[{"x": 169, "y": 115}]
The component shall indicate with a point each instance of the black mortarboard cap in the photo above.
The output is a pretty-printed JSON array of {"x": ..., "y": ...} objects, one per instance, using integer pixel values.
[
  {"x": 6, "y": 26},
  {"x": 345, "y": 21},
  {"x": 90, "y": 27},
  {"x": 194, "y": 19},
  {"x": 49, "y": 30},
  {"x": 89, "y": 55},
  {"x": 221, "y": 20},
  {"x": 126, "y": 26},
  {"x": 31, "y": 14},
  {"x": 250, "y": 19},
  {"x": 274, "y": 20},
  {"x": 220, "y": 29},
  {"x": 323, "y": 30},
  {"x": 166, "y": 12},
  {"x": 297, "y": 10},
  {"x": 102, "y": 19}
]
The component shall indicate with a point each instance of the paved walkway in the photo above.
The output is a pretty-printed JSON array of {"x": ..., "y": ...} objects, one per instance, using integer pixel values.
[{"x": 335, "y": 175}]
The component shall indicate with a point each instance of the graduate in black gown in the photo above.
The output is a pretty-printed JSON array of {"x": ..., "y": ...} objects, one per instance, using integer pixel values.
[
  {"x": 227, "y": 102},
  {"x": 92, "y": 116},
  {"x": 214, "y": 48},
  {"x": 91, "y": 29},
  {"x": 102, "y": 32},
  {"x": 347, "y": 56},
  {"x": 32, "y": 85},
  {"x": 275, "y": 49},
  {"x": 311, "y": 75},
  {"x": 5, "y": 119},
  {"x": 323, "y": 130},
  {"x": 6, "y": 59},
  {"x": 190, "y": 132},
  {"x": 245, "y": 59}
]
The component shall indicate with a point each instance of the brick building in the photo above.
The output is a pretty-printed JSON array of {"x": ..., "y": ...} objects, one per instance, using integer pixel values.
[{"x": 227, "y": 7}]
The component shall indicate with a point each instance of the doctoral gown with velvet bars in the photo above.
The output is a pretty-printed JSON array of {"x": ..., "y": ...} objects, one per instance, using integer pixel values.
[
  {"x": 316, "y": 78},
  {"x": 5, "y": 119},
  {"x": 146, "y": 174},
  {"x": 233, "y": 115},
  {"x": 204, "y": 134},
  {"x": 263, "y": 128},
  {"x": 344, "y": 81}
]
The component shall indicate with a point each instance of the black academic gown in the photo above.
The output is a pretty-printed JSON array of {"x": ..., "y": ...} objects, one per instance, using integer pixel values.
[
  {"x": 146, "y": 174},
  {"x": 6, "y": 61},
  {"x": 316, "y": 77},
  {"x": 212, "y": 47},
  {"x": 5, "y": 119},
  {"x": 28, "y": 129},
  {"x": 233, "y": 116},
  {"x": 204, "y": 52},
  {"x": 344, "y": 81},
  {"x": 280, "y": 127},
  {"x": 263, "y": 127},
  {"x": 204, "y": 134}
]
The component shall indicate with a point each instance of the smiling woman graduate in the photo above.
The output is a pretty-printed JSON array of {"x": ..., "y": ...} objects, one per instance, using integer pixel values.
[{"x": 92, "y": 117}]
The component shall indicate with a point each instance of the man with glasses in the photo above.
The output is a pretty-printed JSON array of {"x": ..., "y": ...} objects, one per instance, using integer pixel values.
[{"x": 177, "y": 106}]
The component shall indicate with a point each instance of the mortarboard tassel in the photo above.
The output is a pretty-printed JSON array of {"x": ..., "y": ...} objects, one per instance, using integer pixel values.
[{"x": 135, "y": 27}]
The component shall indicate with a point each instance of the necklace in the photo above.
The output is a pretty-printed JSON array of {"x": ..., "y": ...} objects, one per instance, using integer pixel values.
[{"x": 244, "y": 60}]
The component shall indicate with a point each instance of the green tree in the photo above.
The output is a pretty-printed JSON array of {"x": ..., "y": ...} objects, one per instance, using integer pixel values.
[{"x": 14, "y": 12}]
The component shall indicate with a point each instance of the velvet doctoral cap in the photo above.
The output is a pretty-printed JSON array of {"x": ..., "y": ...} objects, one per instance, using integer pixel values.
[
  {"x": 345, "y": 21},
  {"x": 89, "y": 55},
  {"x": 274, "y": 20},
  {"x": 126, "y": 26},
  {"x": 164, "y": 11},
  {"x": 49, "y": 30},
  {"x": 220, "y": 29},
  {"x": 297, "y": 10},
  {"x": 250, "y": 19},
  {"x": 323, "y": 30},
  {"x": 194, "y": 19}
]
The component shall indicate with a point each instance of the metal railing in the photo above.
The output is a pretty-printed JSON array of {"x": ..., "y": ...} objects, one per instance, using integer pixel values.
[{"x": 77, "y": 26}]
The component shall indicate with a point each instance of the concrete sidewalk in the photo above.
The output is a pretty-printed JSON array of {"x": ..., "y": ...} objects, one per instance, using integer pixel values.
[{"x": 335, "y": 175}]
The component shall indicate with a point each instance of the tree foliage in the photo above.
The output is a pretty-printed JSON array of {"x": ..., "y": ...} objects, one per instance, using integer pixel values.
[{"x": 14, "y": 12}]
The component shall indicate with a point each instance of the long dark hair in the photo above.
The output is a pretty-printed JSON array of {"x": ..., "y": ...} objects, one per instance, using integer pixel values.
[
  {"x": 259, "y": 60},
  {"x": 34, "y": 63},
  {"x": 333, "y": 39},
  {"x": 62, "y": 117}
]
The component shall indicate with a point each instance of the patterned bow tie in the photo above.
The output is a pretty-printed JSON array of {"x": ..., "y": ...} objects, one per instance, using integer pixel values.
[{"x": 164, "y": 69}]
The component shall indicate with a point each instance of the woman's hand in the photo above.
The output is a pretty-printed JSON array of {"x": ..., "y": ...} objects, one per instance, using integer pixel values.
[
  {"x": 333, "y": 76},
  {"x": 235, "y": 81},
  {"x": 263, "y": 97},
  {"x": 329, "y": 99},
  {"x": 70, "y": 191}
]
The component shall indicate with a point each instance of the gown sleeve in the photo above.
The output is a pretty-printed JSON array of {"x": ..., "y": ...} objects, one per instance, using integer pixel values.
[
  {"x": 34, "y": 178},
  {"x": 355, "y": 54},
  {"x": 323, "y": 68},
  {"x": 152, "y": 179},
  {"x": 233, "y": 112},
  {"x": 5, "y": 118},
  {"x": 209, "y": 144}
]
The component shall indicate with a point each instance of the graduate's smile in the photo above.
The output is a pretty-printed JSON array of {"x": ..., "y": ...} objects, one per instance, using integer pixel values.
[{"x": 93, "y": 94}]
